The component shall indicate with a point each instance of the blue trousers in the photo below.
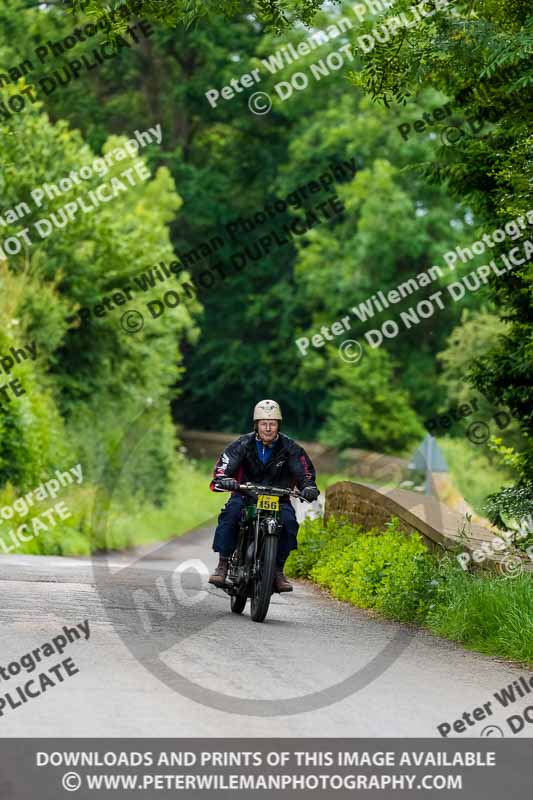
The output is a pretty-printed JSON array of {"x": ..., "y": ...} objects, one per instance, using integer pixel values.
[{"x": 227, "y": 530}]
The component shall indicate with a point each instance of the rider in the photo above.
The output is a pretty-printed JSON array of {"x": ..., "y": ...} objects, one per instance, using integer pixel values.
[{"x": 269, "y": 458}]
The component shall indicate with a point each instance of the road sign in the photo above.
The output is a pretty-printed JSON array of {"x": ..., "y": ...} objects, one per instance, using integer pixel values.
[{"x": 429, "y": 458}]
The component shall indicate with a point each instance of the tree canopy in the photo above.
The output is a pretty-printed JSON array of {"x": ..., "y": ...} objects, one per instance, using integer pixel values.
[
  {"x": 390, "y": 208},
  {"x": 480, "y": 57}
]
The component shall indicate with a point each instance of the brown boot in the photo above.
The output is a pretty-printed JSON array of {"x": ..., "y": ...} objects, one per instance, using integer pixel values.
[
  {"x": 218, "y": 578},
  {"x": 281, "y": 584}
]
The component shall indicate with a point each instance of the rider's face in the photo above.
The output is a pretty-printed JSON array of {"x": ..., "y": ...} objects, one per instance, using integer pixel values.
[{"x": 267, "y": 429}]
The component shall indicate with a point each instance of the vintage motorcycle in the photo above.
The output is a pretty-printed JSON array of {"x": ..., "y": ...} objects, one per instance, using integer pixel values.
[{"x": 253, "y": 562}]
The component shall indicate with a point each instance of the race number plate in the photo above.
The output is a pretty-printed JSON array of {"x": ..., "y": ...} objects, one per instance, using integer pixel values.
[{"x": 268, "y": 502}]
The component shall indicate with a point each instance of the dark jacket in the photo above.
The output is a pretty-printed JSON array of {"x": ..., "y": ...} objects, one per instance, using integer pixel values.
[{"x": 288, "y": 466}]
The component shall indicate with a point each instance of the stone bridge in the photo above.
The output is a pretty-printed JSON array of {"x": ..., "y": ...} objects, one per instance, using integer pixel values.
[
  {"x": 440, "y": 527},
  {"x": 370, "y": 506}
]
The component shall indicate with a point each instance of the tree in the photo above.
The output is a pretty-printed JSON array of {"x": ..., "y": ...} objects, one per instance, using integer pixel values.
[
  {"x": 473, "y": 338},
  {"x": 229, "y": 163},
  {"x": 367, "y": 410},
  {"x": 95, "y": 372},
  {"x": 479, "y": 56},
  {"x": 476, "y": 336},
  {"x": 278, "y": 14}
]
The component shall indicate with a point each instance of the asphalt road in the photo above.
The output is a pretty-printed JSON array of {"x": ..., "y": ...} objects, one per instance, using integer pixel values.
[{"x": 166, "y": 657}]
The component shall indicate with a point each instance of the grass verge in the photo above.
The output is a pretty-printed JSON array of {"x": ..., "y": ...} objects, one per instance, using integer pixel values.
[{"x": 395, "y": 575}]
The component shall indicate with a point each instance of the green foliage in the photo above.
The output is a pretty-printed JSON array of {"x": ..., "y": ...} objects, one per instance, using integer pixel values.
[
  {"x": 94, "y": 379},
  {"x": 473, "y": 338},
  {"x": 277, "y": 14},
  {"x": 189, "y": 503},
  {"x": 68, "y": 537},
  {"x": 395, "y": 225},
  {"x": 389, "y": 571},
  {"x": 130, "y": 517},
  {"x": 511, "y": 505},
  {"x": 226, "y": 162},
  {"x": 475, "y": 471},
  {"x": 313, "y": 536},
  {"x": 368, "y": 408},
  {"x": 32, "y": 435},
  {"x": 480, "y": 56},
  {"x": 394, "y": 228},
  {"x": 393, "y": 573},
  {"x": 492, "y": 615},
  {"x": 510, "y": 382},
  {"x": 133, "y": 519}
]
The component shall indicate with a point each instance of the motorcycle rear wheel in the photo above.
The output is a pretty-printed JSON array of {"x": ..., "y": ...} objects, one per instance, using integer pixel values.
[{"x": 262, "y": 589}]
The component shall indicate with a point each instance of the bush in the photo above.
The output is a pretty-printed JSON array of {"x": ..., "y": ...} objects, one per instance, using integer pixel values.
[
  {"x": 68, "y": 537},
  {"x": 390, "y": 572},
  {"x": 32, "y": 433},
  {"x": 394, "y": 574},
  {"x": 89, "y": 382},
  {"x": 313, "y": 537}
]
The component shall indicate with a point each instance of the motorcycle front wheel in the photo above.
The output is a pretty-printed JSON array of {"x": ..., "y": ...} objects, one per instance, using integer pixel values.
[{"x": 262, "y": 589}]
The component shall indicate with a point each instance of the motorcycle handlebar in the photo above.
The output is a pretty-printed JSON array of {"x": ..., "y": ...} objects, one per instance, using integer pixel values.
[{"x": 247, "y": 487}]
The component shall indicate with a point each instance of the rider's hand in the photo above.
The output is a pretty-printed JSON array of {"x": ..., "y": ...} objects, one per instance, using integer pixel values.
[
  {"x": 310, "y": 493},
  {"x": 230, "y": 484}
]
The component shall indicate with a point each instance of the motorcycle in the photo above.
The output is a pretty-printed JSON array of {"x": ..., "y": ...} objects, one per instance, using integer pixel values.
[{"x": 253, "y": 562}]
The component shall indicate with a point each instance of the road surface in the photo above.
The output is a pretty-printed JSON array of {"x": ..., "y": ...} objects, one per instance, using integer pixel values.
[{"x": 308, "y": 644}]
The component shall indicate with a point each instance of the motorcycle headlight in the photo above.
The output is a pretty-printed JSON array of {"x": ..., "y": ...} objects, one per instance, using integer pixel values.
[{"x": 272, "y": 524}]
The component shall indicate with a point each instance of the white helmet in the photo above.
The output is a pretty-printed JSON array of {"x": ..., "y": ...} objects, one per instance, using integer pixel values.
[{"x": 267, "y": 409}]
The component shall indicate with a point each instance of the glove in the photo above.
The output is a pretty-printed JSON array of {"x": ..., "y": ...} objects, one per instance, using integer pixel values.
[
  {"x": 310, "y": 493},
  {"x": 230, "y": 484}
]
